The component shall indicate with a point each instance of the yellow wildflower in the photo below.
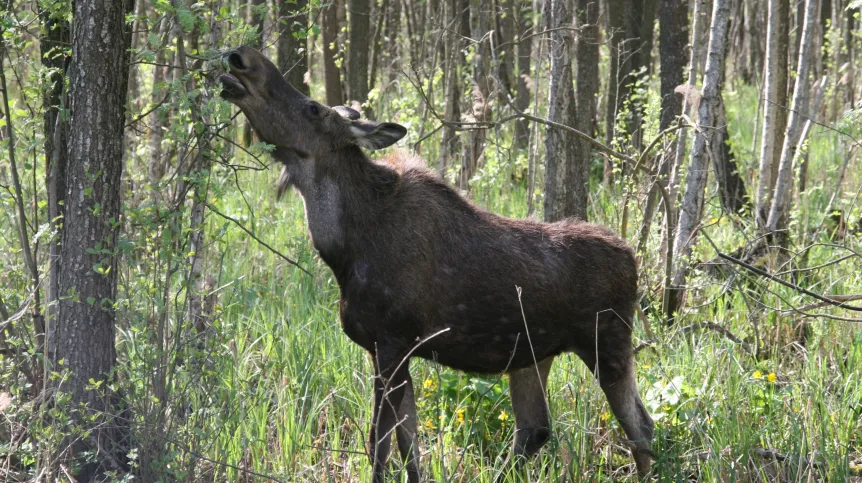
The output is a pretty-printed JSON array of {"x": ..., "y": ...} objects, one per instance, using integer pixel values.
[
  {"x": 757, "y": 375},
  {"x": 605, "y": 416},
  {"x": 503, "y": 415},
  {"x": 771, "y": 377},
  {"x": 460, "y": 414},
  {"x": 428, "y": 383}
]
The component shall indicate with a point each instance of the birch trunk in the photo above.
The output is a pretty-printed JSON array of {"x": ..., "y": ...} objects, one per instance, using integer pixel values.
[
  {"x": 704, "y": 140},
  {"x": 777, "y": 219},
  {"x": 771, "y": 83}
]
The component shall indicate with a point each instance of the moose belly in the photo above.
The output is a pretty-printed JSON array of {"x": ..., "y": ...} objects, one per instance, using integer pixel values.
[{"x": 487, "y": 338}]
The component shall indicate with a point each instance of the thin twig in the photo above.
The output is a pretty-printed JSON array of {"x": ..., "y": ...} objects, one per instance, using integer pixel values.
[
  {"x": 266, "y": 245},
  {"x": 765, "y": 274},
  {"x": 702, "y": 325}
]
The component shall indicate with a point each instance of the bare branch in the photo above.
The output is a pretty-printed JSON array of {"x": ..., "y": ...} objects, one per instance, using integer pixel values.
[{"x": 266, "y": 245}]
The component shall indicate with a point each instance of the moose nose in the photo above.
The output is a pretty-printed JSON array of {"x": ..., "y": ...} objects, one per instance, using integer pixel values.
[{"x": 234, "y": 60}]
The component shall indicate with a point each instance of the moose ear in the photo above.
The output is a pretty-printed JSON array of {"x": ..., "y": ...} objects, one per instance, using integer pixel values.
[
  {"x": 373, "y": 135},
  {"x": 346, "y": 112}
]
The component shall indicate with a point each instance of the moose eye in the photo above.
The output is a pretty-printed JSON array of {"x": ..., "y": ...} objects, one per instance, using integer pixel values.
[{"x": 313, "y": 110}]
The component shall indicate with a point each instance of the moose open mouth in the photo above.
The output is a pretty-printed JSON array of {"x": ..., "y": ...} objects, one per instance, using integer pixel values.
[{"x": 232, "y": 87}]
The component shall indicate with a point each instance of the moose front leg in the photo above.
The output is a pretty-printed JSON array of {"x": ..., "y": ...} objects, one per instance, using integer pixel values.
[
  {"x": 528, "y": 388},
  {"x": 391, "y": 378}
]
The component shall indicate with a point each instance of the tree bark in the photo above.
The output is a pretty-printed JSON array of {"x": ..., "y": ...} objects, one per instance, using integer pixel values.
[
  {"x": 777, "y": 219},
  {"x": 631, "y": 25},
  {"x": 88, "y": 278},
  {"x": 292, "y": 47},
  {"x": 474, "y": 147},
  {"x": 451, "y": 145},
  {"x": 331, "y": 75},
  {"x": 359, "y": 33},
  {"x": 53, "y": 46},
  {"x": 673, "y": 38},
  {"x": 525, "y": 55},
  {"x": 565, "y": 173},
  {"x": 775, "y": 84},
  {"x": 587, "y": 77},
  {"x": 705, "y": 139}
]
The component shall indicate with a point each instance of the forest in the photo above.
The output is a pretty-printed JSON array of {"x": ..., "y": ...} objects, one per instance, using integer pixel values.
[{"x": 165, "y": 316}]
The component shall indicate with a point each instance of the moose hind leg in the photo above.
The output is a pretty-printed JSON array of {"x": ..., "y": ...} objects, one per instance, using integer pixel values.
[
  {"x": 617, "y": 378},
  {"x": 405, "y": 430},
  {"x": 528, "y": 387}
]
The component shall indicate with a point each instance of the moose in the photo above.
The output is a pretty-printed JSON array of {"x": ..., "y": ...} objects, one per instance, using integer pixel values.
[{"x": 424, "y": 273}]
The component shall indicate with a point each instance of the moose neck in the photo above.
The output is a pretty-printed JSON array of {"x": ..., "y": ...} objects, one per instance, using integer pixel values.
[{"x": 343, "y": 196}]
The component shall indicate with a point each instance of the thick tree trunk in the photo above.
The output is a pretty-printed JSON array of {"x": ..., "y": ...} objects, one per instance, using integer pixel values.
[
  {"x": 85, "y": 321},
  {"x": 777, "y": 219},
  {"x": 525, "y": 54},
  {"x": 359, "y": 34},
  {"x": 704, "y": 140},
  {"x": 775, "y": 84},
  {"x": 292, "y": 47},
  {"x": 56, "y": 38},
  {"x": 565, "y": 190},
  {"x": 331, "y": 75}
]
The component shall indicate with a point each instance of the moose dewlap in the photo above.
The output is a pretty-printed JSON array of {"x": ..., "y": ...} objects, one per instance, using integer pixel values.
[{"x": 424, "y": 273}]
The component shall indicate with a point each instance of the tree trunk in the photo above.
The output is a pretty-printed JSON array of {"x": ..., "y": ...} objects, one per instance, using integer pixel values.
[
  {"x": 775, "y": 84},
  {"x": 777, "y": 219},
  {"x": 504, "y": 46},
  {"x": 704, "y": 140},
  {"x": 803, "y": 156},
  {"x": 392, "y": 47},
  {"x": 587, "y": 76},
  {"x": 451, "y": 146},
  {"x": 292, "y": 48},
  {"x": 255, "y": 19},
  {"x": 731, "y": 187},
  {"x": 85, "y": 319},
  {"x": 630, "y": 24},
  {"x": 359, "y": 33},
  {"x": 331, "y": 75},
  {"x": 673, "y": 39},
  {"x": 849, "y": 25},
  {"x": 158, "y": 118},
  {"x": 525, "y": 55},
  {"x": 55, "y": 40},
  {"x": 474, "y": 147},
  {"x": 565, "y": 194}
]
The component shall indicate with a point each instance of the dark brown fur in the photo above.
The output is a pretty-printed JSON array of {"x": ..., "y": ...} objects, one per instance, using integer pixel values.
[{"x": 423, "y": 272}]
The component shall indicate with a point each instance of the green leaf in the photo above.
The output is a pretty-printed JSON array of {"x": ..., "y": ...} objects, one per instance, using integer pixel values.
[{"x": 186, "y": 18}]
